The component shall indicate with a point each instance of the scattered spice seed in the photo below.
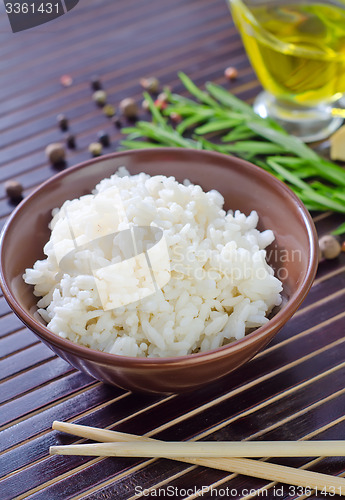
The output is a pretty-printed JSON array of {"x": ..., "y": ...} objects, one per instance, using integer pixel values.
[
  {"x": 56, "y": 153},
  {"x": 150, "y": 84},
  {"x": 343, "y": 246},
  {"x": 160, "y": 104},
  {"x": 163, "y": 96},
  {"x": 14, "y": 190},
  {"x": 129, "y": 108},
  {"x": 66, "y": 80},
  {"x": 100, "y": 97},
  {"x": 329, "y": 246},
  {"x": 62, "y": 122},
  {"x": 96, "y": 83},
  {"x": 117, "y": 122},
  {"x": 145, "y": 105},
  {"x": 95, "y": 148},
  {"x": 175, "y": 117},
  {"x": 109, "y": 110},
  {"x": 70, "y": 141},
  {"x": 104, "y": 138},
  {"x": 231, "y": 73}
]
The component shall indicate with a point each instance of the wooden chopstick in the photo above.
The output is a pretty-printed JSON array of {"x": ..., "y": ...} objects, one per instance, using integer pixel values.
[
  {"x": 209, "y": 449},
  {"x": 254, "y": 468}
]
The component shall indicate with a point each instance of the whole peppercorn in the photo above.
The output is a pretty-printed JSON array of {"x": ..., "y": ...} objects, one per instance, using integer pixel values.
[
  {"x": 175, "y": 117},
  {"x": 117, "y": 122},
  {"x": 96, "y": 83},
  {"x": 145, "y": 105},
  {"x": 150, "y": 84},
  {"x": 163, "y": 96},
  {"x": 109, "y": 110},
  {"x": 14, "y": 190},
  {"x": 56, "y": 153},
  {"x": 62, "y": 122},
  {"x": 66, "y": 80},
  {"x": 70, "y": 141},
  {"x": 104, "y": 138},
  {"x": 129, "y": 108},
  {"x": 160, "y": 104},
  {"x": 231, "y": 73},
  {"x": 100, "y": 97},
  {"x": 329, "y": 246},
  {"x": 95, "y": 148}
]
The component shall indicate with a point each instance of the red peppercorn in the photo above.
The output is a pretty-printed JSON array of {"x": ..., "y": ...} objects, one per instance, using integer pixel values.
[
  {"x": 66, "y": 80},
  {"x": 160, "y": 104}
]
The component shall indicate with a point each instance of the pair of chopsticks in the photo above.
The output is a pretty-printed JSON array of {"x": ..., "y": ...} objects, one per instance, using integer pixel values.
[{"x": 217, "y": 455}]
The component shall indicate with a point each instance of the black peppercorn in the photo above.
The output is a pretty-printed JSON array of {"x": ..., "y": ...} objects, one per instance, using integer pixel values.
[
  {"x": 117, "y": 122},
  {"x": 104, "y": 138},
  {"x": 70, "y": 141},
  {"x": 62, "y": 122},
  {"x": 96, "y": 83}
]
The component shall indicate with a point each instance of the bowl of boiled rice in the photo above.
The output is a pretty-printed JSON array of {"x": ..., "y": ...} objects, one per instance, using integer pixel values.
[{"x": 158, "y": 270}]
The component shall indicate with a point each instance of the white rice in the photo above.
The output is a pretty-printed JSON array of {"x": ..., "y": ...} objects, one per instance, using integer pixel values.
[{"x": 220, "y": 288}]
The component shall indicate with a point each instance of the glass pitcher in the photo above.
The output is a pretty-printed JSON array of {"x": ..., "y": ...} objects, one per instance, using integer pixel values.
[{"x": 297, "y": 49}]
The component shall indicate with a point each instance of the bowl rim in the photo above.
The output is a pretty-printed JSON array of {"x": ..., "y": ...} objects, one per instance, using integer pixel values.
[{"x": 105, "y": 358}]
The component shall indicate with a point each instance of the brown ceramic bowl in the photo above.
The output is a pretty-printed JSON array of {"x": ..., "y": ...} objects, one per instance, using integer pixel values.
[{"x": 244, "y": 187}]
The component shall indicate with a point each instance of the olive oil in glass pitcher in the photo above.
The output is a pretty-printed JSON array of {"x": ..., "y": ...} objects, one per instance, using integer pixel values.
[{"x": 297, "y": 50}]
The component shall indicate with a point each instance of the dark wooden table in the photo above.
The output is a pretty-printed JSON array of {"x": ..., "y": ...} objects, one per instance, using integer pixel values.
[{"x": 292, "y": 390}]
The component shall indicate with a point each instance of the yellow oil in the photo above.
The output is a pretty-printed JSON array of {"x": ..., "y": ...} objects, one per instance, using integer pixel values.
[{"x": 296, "y": 49}]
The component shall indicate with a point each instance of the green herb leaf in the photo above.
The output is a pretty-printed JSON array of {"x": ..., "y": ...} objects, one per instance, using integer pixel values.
[
  {"x": 230, "y": 101},
  {"x": 275, "y": 150},
  {"x": 216, "y": 126},
  {"x": 339, "y": 230},
  {"x": 289, "y": 143},
  {"x": 289, "y": 176},
  {"x": 195, "y": 91}
]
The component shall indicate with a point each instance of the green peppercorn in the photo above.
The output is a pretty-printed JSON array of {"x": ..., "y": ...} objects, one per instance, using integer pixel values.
[
  {"x": 95, "y": 149},
  {"x": 109, "y": 110},
  {"x": 100, "y": 97}
]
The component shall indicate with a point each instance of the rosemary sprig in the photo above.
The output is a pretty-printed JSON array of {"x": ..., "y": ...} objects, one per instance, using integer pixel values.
[{"x": 319, "y": 183}]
